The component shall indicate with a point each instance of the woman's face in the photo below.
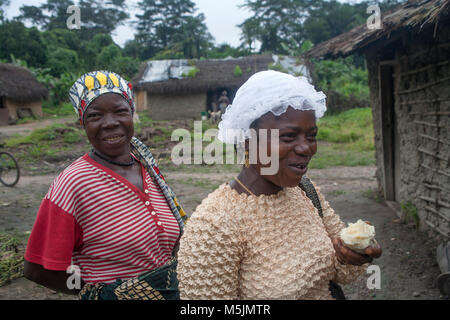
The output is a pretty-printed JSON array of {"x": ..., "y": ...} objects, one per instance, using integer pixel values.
[
  {"x": 108, "y": 122},
  {"x": 297, "y": 144}
]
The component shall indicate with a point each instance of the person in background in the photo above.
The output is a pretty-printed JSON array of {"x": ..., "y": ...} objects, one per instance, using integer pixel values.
[{"x": 223, "y": 102}]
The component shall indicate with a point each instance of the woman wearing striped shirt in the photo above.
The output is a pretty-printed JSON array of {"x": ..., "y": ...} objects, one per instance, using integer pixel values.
[{"x": 109, "y": 216}]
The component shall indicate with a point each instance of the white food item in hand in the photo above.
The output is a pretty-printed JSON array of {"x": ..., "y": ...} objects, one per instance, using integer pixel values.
[{"x": 358, "y": 236}]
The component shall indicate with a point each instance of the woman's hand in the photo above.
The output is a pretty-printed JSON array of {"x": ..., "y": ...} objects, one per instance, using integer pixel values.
[{"x": 347, "y": 256}]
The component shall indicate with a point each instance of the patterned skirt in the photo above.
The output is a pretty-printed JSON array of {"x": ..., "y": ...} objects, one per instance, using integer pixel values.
[{"x": 158, "y": 284}]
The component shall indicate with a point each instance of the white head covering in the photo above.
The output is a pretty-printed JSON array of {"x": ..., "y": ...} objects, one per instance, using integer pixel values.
[{"x": 263, "y": 92}]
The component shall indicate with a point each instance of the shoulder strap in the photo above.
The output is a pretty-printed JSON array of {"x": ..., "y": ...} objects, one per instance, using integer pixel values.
[{"x": 307, "y": 186}]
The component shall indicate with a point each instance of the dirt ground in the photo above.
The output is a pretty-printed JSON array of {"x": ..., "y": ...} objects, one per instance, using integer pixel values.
[
  {"x": 29, "y": 127},
  {"x": 408, "y": 264}
]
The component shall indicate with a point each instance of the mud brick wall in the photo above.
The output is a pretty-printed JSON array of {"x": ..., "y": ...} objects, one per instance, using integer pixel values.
[
  {"x": 13, "y": 107},
  {"x": 372, "y": 62},
  {"x": 422, "y": 120},
  {"x": 176, "y": 107}
]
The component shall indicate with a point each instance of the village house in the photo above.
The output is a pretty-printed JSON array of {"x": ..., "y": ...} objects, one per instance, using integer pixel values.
[
  {"x": 21, "y": 94},
  {"x": 184, "y": 89},
  {"x": 408, "y": 62}
]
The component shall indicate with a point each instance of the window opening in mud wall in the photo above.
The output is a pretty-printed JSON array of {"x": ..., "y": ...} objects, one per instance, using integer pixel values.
[{"x": 388, "y": 129}]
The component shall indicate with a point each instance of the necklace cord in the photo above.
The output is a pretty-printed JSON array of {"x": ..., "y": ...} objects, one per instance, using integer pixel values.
[
  {"x": 123, "y": 164},
  {"x": 243, "y": 186}
]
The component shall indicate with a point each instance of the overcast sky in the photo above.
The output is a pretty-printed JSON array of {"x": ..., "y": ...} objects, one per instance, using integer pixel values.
[{"x": 221, "y": 18}]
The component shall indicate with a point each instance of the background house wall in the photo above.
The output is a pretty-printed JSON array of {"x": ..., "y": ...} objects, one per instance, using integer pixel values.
[
  {"x": 421, "y": 122},
  {"x": 14, "y": 107},
  {"x": 141, "y": 100},
  {"x": 176, "y": 106}
]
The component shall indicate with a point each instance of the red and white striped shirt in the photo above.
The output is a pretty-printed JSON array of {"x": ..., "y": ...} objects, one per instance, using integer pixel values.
[{"x": 94, "y": 218}]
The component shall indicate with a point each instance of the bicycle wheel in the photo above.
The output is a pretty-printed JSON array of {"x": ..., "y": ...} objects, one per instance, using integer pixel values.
[{"x": 9, "y": 169}]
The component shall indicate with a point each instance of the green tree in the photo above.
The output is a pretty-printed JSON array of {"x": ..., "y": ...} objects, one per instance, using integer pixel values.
[
  {"x": 225, "y": 50},
  {"x": 274, "y": 22},
  {"x": 107, "y": 56},
  {"x": 387, "y": 5},
  {"x": 3, "y": 4},
  {"x": 282, "y": 25},
  {"x": 171, "y": 25},
  {"x": 133, "y": 49},
  {"x": 250, "y": 29},
  {"x": 63, "y": 60},
  {"x": 90, "y": 50},
  {"x": 328, "y": 19},
  {"x": 100, "y": 16},
  {"x": 61, "y": 38},
  {"x": 111, "y": 58},
  {"x": 50, "y": 15},
  {"x": 97, "y": 16},
  {"x": 195, "y": 39},
  {"x": 342, "y": 76},
  {"x": 127, "y": 67},
  {"x": 22, "y": 43}
]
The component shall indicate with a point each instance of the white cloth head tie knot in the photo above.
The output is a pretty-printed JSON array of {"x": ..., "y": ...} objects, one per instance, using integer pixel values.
[{"x": 263, "y": 92}]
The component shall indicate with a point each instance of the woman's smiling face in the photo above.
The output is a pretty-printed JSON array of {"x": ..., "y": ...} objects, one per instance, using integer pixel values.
[
  {"x": 297, "y": 144},
  {"x": 108, "y": 122}
]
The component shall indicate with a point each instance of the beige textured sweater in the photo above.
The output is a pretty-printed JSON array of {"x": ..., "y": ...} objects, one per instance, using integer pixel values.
[{"x": 237, "y": 246}]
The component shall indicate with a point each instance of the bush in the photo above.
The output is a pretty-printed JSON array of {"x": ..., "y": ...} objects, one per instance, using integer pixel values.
[
  {"x": 126, "y": 67},
  {"x": 64, "y": 109},
  {"x": 277, "y": 67},
  {"x": 345, "y": 84},
  {"x": 168, "y": 54},
  {"x": 237, "y": 71},
  {"x": 225, "y": 50},
  {"x": 337, "y": 102},
  {"x": 63, "y": 60},
  {"x": 107, "y": 56},
  {"x": 24, "y": 43},
  {"x": 58, "y": 86},
  {"x": 193, "y": 72}
]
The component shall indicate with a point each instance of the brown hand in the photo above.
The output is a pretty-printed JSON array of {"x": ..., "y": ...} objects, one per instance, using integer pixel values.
[
  {"x": 374, "y": 252},
  {"x": 347, "y": 256}
]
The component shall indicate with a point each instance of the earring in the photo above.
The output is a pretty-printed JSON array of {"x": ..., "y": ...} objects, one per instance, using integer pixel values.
[{"x": 247, "y": 161}]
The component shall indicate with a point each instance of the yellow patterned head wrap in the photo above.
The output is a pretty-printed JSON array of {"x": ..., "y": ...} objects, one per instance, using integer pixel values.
[{"x": 96, "y": 83}]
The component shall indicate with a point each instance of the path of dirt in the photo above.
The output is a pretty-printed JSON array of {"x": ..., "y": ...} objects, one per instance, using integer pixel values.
[
  {"x": 24, "y": 128},
  {"x": 408, "y": 265}
]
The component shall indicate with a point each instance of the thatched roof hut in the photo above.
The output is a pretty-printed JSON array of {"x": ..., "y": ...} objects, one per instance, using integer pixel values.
[
  {"x": 19, "y": 84},
  {"x": 168, "y": 90},
  {"x": 21, "y": 94},
  {"x": 408, "y": 63},
  {"x": 415, "y": 16},
  {"x": 213, "y": 73}
]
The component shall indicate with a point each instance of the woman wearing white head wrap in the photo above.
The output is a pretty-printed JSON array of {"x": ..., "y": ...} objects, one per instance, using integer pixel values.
[{"x": 260, "y": 236}]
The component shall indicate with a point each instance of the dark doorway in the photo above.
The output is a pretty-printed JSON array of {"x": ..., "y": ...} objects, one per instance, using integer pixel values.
[
  {"x": 4, "y": 113},
  {"x": 214, "y": 95}
]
